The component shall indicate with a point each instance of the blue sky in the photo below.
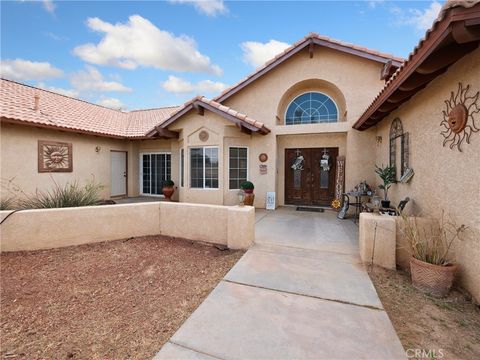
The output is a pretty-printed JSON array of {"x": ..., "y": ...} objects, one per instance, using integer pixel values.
[{"x": 144, "y": 54}]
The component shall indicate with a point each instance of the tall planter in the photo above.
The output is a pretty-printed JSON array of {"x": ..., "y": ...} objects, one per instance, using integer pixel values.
[{"x": 433, "y": 279}]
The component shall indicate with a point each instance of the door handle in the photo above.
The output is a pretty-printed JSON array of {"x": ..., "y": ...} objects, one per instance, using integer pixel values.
[{"x": 124, "y": 174}]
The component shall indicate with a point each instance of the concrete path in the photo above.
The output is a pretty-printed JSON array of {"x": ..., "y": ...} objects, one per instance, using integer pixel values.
[{"x": 299, "y": 293}]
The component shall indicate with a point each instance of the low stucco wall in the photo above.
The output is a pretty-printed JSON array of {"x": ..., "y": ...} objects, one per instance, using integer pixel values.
[
  {"x": 391, "y": 248},
  {"x": 52, "y": 228}
]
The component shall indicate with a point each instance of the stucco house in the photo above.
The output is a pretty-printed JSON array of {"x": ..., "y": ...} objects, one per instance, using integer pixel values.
[{"x": 338, "y": 108}]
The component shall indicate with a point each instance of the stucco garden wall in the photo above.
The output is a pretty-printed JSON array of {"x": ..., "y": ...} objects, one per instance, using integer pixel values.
[
  {"x": 52, "y": 228},
  {"x": 445, "y": 179},
  {"x": 19, "y": 159}
]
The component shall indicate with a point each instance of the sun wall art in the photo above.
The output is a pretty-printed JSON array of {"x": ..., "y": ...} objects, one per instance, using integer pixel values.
[
  {"x": 54, "y": 156},
  {"x": 461, "y": 117}
]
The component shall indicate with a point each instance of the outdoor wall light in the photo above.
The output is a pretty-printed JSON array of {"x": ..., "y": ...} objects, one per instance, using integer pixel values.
[
  {"x": 97, "y": 149},
  {"x": 241, "y": 197}
]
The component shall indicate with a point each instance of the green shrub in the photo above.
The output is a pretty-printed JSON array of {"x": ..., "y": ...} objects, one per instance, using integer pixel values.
[
  {"x": 247, "y": 185},
  {"x": 68, "y": 195},
  {"x": 168, "y": 183}
]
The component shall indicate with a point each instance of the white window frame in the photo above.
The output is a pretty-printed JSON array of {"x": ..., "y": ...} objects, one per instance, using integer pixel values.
[
  {"x": 203, "y": 159},
  {"x": 306, "y": 92},
  {"x": 228, "y": 163},
  {"x": 141, "y": 171}
]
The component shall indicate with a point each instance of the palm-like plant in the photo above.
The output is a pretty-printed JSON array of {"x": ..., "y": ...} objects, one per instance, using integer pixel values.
[{"x": 387, "y": 174}]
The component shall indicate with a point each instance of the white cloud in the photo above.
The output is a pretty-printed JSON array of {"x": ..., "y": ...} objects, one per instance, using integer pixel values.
[
  {"x": 207, "y": 7},
  {"x": 178, "y": 85},
  {"x": 420, "y": 19},
  {"x": 257, "y": 53},
  {"x": 22, "y": 70},
  {"x": 91, "y": 79},
  {"x": 49, "y": 6},
  {"x": 373, "y": 3},
  {"x": 140, "y": 43},
  {"x": 68, "y": 92},
  {"x": 112, "y": 103}
]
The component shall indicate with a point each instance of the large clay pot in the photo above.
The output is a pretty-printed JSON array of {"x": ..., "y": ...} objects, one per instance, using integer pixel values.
[
  {"x": 249, "y": 197},
  {"x": 168, "y": 192},
  {"x": 432, "y": 279}
]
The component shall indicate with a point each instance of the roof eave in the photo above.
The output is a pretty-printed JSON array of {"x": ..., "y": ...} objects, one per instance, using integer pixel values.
[{"x": 421, "y": 68}]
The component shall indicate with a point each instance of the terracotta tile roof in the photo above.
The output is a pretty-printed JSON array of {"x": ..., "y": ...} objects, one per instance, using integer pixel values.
[
  {"x": 222, "y": 110},
  {"x": 317, "y": 39},
  {"x": 449, "y": 5},
  {"x": 17, "y": 103}
]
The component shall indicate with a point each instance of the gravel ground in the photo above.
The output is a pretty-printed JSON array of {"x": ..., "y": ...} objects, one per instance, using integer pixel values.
[
  {"x": 448, "y": 328},
  {"x": 115, "y": 300}
]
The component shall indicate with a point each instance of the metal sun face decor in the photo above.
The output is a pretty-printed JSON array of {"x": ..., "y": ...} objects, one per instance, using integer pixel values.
[
  {"x": 54, "y": 156},
  {"x": 459, "y": 117}
]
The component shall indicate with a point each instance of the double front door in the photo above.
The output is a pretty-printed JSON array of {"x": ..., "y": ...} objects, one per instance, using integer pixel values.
[{"x": 310, "y": 176}]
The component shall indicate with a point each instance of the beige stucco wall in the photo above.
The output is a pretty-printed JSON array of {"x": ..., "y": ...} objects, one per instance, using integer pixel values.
[
  {"x": 350, "y": 80},
  {"x": 19, "y": 158},
  {"x": 52, "y": 228},
  {"x": 445, "y": 179}
]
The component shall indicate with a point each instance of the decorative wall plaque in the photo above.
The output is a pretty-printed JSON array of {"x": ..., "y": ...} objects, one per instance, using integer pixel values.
[
  {"x": 263, "y": 157},
  {"x": 339, "y": 181},
  {"x": 54, "y": 156},
  {"x": 203, "y": 136},
  {"x": 263, "y": 169},
  {"x": 458, "y": 117}
]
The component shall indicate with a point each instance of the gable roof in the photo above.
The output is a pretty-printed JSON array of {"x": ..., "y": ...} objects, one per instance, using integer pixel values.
[
  {"x": 17, "y": 102},
  {"x": 200, "y": 103},
  {"x": 308, "y": 41},
  {"x": 454, "y": 33}
]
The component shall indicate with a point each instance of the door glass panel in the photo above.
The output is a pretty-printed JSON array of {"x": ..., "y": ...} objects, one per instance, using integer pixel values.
[
  {"x": 297, "y": 179},
  {"x": 156, "y": 169},
  {"x": 324, "y": 179}
]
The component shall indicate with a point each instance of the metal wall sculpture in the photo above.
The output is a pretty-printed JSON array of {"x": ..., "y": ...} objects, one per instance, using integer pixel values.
[
  {"x": 396, "y": 131},
  {"x": 54, "y": 156},
  {"x": 460, "y": 117}
]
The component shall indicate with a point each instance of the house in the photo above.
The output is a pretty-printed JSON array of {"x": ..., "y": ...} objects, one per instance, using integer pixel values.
[{"x": 308, "y": 125}]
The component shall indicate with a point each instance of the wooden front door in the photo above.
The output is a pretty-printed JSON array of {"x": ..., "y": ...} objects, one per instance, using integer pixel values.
[{"x": 310, "y": 176}]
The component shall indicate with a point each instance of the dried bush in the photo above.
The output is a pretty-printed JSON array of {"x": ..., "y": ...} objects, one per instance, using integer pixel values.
[{"x": 433, "y": 244}]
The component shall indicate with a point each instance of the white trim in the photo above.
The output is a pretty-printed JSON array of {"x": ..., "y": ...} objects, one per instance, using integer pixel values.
[
  {"x": 203, "y": 158},
  {"x": 140, "y": 171},
  {"x": 307, "y": 92},
  {"x": 228, "y": 163}
]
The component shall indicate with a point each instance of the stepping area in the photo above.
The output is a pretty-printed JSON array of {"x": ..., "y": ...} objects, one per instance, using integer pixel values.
[{"x": 299, "y": 293}]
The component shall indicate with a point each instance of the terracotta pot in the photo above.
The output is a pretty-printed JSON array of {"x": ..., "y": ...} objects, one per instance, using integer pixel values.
[
  {"x": 249, "y": 198},
  {"x": 432, "y": 279},
  {"x": 168, "y": 192}
]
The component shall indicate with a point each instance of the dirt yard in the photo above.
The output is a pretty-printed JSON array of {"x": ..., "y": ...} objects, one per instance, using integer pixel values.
[
  {"x": 115, "y": 300},
  {"x": 449, "y": 327}
]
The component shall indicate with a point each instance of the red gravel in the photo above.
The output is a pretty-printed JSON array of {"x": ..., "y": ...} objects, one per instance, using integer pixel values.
[{"x": 115, "y": 300}]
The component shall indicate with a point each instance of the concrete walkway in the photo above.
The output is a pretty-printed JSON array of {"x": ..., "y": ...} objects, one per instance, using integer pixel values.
[{"x": 299, "y": 293}]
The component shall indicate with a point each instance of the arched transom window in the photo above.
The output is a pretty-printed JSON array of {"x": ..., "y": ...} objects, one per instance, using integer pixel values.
[{"x": 311, "y": 108}]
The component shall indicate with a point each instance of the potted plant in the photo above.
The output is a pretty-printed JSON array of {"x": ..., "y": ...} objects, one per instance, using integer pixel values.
[
  {"x": 387, "y": 174},
  {"x": 431, "y": 266},
  {"x": 168, "y": 189},
  {"x": 247, "y": 187}
]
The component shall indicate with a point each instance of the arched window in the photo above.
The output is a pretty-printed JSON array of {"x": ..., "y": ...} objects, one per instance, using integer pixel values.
[{"x": 311, "y": 108}]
